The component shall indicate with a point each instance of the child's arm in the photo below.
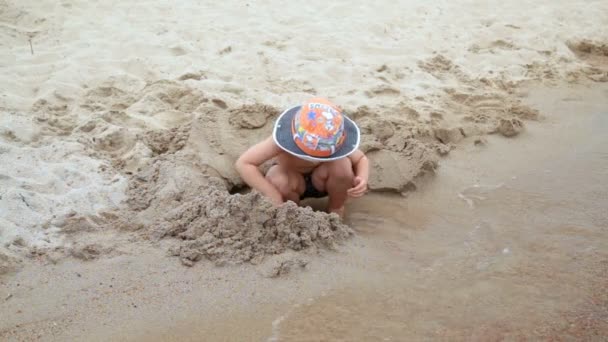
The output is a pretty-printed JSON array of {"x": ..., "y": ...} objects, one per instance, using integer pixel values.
[
  {"x": 361, "y": 168},
  {"x": 248, "y": 167}
]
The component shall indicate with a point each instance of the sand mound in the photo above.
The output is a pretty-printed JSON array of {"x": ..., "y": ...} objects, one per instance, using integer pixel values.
[
  {"x": 8, "y": 264},
  {"x": 244, "y": 228},
  {"x": 510, "y": 128},
  {"x": 219, "y": 135},
  {"x": 587, "y": 48},
  {"x": 170, "y": 180},
  {"x": 595, "y": 53},
  {"x": 177, "y": 196}
]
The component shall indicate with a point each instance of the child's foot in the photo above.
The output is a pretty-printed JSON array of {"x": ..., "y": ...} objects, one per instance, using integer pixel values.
[{"x": 339, "y": 211}]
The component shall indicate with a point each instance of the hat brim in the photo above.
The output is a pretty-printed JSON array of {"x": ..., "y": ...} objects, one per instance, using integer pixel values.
[{"x": 283, "y": 137}]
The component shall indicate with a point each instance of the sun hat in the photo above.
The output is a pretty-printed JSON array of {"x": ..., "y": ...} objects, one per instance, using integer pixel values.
[{"x": 317, "y": 130}]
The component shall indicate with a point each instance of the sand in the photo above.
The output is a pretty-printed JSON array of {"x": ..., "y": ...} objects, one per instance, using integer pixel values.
[
  {"x": 120, "y": 122},
  {"x": 525, "y": 260},
  {"x": 241, "y": 229}
]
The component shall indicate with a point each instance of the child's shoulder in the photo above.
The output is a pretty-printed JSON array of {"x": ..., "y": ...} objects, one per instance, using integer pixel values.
[
  {"x": 356, "y": 156},
  {"x": 261, "y": 151}
]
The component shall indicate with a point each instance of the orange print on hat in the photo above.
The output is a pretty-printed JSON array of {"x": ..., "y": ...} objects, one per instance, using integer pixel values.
[{"x": 318, "y": 128}]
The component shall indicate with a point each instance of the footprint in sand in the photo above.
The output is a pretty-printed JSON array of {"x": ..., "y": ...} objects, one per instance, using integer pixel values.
[
  {"x": 493, "y": 46},
  {"x": 178, "y": 51},
  {"x": 225, "y": 50},
  {"x": 382, "y": 90}
]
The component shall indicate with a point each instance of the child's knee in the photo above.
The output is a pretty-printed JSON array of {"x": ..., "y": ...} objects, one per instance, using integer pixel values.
[{"x": 341, "y": 171}]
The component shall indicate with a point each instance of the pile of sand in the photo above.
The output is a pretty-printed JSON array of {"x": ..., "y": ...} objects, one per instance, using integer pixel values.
[
  {"x": 177, "y": 197},
  {"x": 8, "y": 264},
  {"x": 245, "y": 228}
]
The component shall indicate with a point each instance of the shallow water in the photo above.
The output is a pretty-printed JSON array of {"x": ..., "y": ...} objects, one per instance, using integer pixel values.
[{"x": 509, "y": 241}]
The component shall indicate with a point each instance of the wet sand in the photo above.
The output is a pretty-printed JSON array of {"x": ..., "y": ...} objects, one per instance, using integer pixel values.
[{"x": 508, "y": 241}]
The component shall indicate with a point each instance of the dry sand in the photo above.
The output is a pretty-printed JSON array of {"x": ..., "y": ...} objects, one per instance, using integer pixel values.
[{"x": 120, "y": 121}]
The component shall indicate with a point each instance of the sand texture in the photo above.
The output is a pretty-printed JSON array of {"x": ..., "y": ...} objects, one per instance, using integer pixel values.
[{"x": 127, "y": 116}]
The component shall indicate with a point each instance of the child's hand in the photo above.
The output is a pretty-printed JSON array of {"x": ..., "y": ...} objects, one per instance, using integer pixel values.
[
  {"x": 359, "y": 189},
  {"x": 277, "y": 201}
]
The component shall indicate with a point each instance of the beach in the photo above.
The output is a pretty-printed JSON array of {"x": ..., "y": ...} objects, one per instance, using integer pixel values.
[{"x": 122, "y": 216}]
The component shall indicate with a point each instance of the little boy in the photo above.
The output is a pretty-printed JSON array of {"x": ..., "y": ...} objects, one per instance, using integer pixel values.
[{"x": 315, "y": 152}]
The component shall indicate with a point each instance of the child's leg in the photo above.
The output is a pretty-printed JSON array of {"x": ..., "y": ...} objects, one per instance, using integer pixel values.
[
  {"x": 335, "y": 178},
  {"x": 290, "y": 184}
]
